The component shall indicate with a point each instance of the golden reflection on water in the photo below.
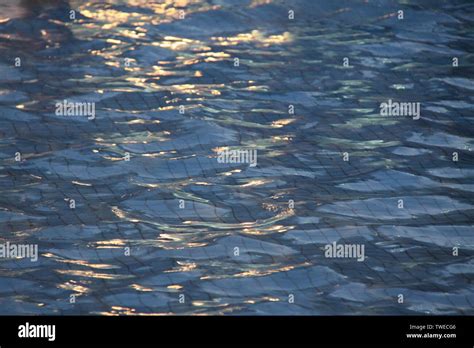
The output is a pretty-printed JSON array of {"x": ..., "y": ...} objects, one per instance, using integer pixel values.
[
  {"x": 183, "y": 266},
  {"x": 175, "y": 43},
  {"x": 174, "y": 287},
  {"x": 195, "y": 50},
  {"x": 255, "y": 36},
  {"x": 141, "y": 288},
  {"x": 255, "y": 182},
  {"x": 87, "y": 264},
  {"x": 75, "y": 287},
  {"x": 96, "y": 275}
]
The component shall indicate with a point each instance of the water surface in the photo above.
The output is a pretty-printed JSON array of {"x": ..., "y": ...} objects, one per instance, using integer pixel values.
[{"x": 139, "y": 61}]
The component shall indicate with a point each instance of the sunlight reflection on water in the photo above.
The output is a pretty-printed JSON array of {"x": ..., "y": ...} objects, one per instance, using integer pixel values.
[{"x": 168, "y": 93}]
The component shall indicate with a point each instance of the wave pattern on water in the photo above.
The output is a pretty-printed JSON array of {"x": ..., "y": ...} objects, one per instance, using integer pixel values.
[{"x": 167, "y": 92}]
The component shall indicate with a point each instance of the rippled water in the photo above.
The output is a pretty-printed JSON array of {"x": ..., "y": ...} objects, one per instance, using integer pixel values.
[{"x": 139, "y": 61}]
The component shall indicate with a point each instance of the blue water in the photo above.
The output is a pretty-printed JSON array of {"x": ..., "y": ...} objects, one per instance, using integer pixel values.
[{"x": 167, "y": 223}]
